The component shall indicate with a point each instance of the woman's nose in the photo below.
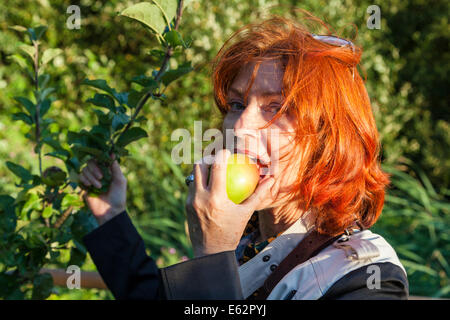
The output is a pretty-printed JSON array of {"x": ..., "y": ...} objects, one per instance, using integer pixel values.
[{"x": 249, "y": 118}]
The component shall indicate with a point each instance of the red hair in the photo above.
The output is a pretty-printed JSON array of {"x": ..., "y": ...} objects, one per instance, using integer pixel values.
[{"x": 336, "y": 142}]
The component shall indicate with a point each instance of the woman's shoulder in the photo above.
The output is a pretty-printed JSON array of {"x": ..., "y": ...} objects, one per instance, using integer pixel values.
[
  {"x": 363, "y": 261},
  {"x": 361, "y": 266}
]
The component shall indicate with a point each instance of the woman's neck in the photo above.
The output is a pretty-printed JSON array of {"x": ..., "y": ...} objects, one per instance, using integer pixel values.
[{"x": 273, "y": 221}]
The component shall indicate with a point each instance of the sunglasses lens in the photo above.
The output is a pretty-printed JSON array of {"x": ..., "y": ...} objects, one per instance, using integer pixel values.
[{"x": 335, "y": 41}]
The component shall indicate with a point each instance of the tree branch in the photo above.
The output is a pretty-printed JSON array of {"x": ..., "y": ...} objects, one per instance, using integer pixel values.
[
  {"x": 168, "y": 55},
  {"x": 63, "y": 217},
  {"x": 38, "y": 104}
]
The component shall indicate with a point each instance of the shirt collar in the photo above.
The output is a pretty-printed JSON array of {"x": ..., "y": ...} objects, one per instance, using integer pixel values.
[{"x": 254, "y": 272}]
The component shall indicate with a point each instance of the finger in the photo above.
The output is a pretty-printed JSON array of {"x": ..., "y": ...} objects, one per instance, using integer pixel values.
[
  {"x": 84, "y": 194},
  {"x": 94, "y": 169},
  {"x": 117, "y": 172},
  {"x": 90, "y": 177},
  {"x": 275, "y": 189},
  {"x": 261, "y": 194},
  {"x": 83, "y": 180},
  {"x": 273, "y": 168},
  {"x": 273, "y": 171},
  {"x": 201, "y": 176},
  {"x": 219, "y": 172}
]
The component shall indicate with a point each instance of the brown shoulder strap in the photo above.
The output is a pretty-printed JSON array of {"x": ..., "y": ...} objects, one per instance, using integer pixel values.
[{"x": 310, "y": 246}]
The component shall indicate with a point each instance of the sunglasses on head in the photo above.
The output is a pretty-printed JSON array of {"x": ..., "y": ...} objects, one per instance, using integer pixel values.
[{"x": 335, "y": 41}]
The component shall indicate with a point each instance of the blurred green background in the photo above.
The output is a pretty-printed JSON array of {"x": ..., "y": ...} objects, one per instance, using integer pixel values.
[{"x": 406, "y": 62}]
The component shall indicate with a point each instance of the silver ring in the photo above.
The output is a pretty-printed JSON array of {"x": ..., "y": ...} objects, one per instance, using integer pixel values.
[{"x": 189, "y": 179}]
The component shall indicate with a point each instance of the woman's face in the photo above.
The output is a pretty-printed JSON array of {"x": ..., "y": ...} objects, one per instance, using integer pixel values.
[{"x": 245, "y": 119}]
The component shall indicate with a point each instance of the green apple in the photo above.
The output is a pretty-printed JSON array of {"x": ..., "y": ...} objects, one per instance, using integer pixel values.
[
  {"x": 242, "y": 177},
  {"x": 53, "y": 176}
]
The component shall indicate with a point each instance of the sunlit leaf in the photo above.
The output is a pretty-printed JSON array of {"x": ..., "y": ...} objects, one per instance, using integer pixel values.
[
  {"x": 29, "y": 50},
  {"x": 147, "y": 13},
  {"x": 50, "y": 54}
]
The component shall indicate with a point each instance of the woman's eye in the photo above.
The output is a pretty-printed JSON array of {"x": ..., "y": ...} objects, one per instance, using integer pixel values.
[
  {"x": 236, "y": 106},
  {"x": 272, "y": 109}
]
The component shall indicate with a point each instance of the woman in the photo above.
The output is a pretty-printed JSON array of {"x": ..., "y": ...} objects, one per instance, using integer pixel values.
[{"x": 326, "y": 187}]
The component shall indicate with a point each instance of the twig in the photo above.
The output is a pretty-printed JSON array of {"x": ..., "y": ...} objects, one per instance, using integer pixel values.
[
  {"x": 38, "y": 105},
  {"x": 63, "y": 218},
  {"x": 167, "y": 57}
]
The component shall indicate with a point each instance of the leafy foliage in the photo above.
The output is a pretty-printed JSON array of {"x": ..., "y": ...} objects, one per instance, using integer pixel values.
[
  {"x": 38, "y": 221},
  {"x": 45, "y": 217},
  {"x": 415, "y": 220},
  {"x": 405, "y": 63}
]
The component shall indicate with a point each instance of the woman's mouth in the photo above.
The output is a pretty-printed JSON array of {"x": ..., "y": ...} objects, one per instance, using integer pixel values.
[{"x": 262, "y": 165}]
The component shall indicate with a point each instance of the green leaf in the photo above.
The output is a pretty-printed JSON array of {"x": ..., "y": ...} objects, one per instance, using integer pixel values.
[
  {"x": 21, "y": 61},
  {"x": 71, "y": 200},
  {"x": 50, "y": 54},
  {"x": 44, "y": 93},
  {"x": 84, "y": 222},
  {"x": 21, "y": 197},
  {"x": 145, "y": 81},
  {"x": 60, "y": 154},
  {"x": 48, "y": 212},
  {"x": 55, "y": 144},
  {"x": 8, "y": 217},
  {"x": 29, "y": 106},
  {"x": 43, "y": 80},
  {"x": 77, "y": 257},
  {"x": 104, "y": 119},
  {"x": 76, "y": 137},
  {"x": 45, "y": 106},
  {"x": 22, "y": 116},
  {"x": 102, "y": 131},
  {"x": 122, "y": 97},
  {"x": 103, "y": 100},
  {"x": 42, "y": 286},
  {"x": 173, "y": 37},
  {"x": 172, "y": 75},
  {"x": 148, "y": 14},
  {"x": 38, "y": 32},
  {"x": 158, "y": 55},
  {"x": 418, "y": 267},
  {"x": 168, "y": 8},
  {"x": 33, "y": 203},
  {"x": 18, "y": 28},
  {"x": 29, "y": 50},
  {"x": 140, "y": 119},
  {"x": 6, "y": 202},
  {"x": 86, "y": 138},
  {"x": 87, "y": 150},
  {"x": 134, "y": 97},
  {"x": 131, "y": 135},
  {"x": 19, "y": 171},
  {"x": 100, "y": 84},
  {"x": 120, "y": 120}
]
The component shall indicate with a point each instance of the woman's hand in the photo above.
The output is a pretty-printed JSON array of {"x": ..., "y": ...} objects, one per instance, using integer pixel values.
[
  {"x": 107, "y": 205},
  {"x": 216, "y": 223}
]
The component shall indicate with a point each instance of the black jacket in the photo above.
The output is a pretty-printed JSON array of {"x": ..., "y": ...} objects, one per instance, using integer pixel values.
[{"x": 118, "y": 251}]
